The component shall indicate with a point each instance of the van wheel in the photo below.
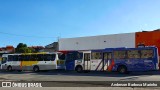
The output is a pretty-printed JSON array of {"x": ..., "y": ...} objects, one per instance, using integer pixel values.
[
  {"x": 36, "y": 69},
  {"x": 79, "y": 69},
  {"x": 9, "y": 68},
  {"x": 122, "y": 69}
]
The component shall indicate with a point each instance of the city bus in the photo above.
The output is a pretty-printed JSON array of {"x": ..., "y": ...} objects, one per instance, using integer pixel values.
[
  {"x": 1, "y": 53},
  {"x": 71, "y": 59},
  {"x": 122, "y": 60},
  {"x": 33, "y": 61},
  {"x": 81, "y": 60},
  {"x": 125, "y": 60}
]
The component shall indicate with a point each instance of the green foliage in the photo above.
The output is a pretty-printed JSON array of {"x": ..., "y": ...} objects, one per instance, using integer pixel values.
[
  {"x": 22, "y": 48},
  {"x": 33, "y": 50},
  {"x": 21, "y": 45}
]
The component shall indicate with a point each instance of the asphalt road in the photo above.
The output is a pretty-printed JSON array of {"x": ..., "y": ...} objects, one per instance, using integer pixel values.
[{"x": 60, "y": 75}]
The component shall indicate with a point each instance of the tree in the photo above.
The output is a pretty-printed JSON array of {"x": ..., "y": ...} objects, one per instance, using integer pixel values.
[
  {"x": 22, "y": 48},
  {"x": 21, "y": 45}
]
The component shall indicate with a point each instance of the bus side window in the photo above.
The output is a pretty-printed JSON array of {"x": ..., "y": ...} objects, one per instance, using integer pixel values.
[
  {"x": 79, "y": 55},
  {"x": 23, "y": 57},
  {"x": 19, "y": 57},
  {"x": 115, "y": 54},
  {"x": 40, "y": 57},
  {"x": 147, "y": 54},
  {"x": 47, "y": 57},
  {"x": 33, "y": 57},
  {"x": 133, "y": 54},
  {"x": 107, "y": 56},
  {"x": 96, "y": 55},
  {"x": 27, "y": 57},
  {"x": 15, "y": 58},
  {"x": 10, "y": 57},
  {"x": 92, "y": 55},
  {"x": 120, "y": 54},
  {"x": 53, "y": 56}
]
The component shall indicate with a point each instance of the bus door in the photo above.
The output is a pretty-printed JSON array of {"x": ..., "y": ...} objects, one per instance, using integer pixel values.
[
  {"x": 70, "y": 60},
  {"x": 107, "y": 60},
  {"x": 61, "y": 61},
  {"x": 87, "y": 64}
]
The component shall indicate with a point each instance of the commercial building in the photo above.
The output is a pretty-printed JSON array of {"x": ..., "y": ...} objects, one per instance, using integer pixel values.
[
  {"x": 97, "y": 42},
  {"x": 148, "y": 38}
]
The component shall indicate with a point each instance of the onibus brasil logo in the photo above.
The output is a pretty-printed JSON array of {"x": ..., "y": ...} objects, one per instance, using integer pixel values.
[{"x": 21, "y": 84}]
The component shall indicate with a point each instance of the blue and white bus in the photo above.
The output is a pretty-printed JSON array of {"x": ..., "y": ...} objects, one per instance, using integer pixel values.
[
  {"x": 122, "y": 60},
  {"x": 84, "y": 60},
  {"x": 125, "y": 60}
]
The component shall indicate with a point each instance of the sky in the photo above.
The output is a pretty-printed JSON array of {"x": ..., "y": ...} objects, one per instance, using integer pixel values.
[{"x": 41, "y": 22}]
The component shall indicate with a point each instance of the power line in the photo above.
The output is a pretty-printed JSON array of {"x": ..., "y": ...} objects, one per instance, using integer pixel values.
[{"x": 26, "y": 35}]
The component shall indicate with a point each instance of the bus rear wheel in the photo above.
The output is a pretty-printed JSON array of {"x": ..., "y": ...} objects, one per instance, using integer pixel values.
[
  {"x": 9, "y": 68},
  {"x": 35, "y": 68},
  {"x": 122, "y": 69},
  {"x": 79, "y": 69}
]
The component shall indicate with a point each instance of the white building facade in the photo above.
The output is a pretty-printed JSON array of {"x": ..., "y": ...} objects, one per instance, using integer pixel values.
[{"x": 98, "y": 42}]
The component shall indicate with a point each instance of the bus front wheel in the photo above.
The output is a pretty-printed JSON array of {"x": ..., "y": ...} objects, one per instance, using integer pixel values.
[
  {"x": 9, "y": 68},
  {"x": 79, "y": 69},
  {"x": 122, "y": 69},
  {"x": 35, "y": 68}
]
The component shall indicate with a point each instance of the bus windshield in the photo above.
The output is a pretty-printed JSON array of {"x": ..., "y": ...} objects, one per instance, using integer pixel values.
[
  {"x": 4, "y": 60},
  {"x": 61, "y": 56}
]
